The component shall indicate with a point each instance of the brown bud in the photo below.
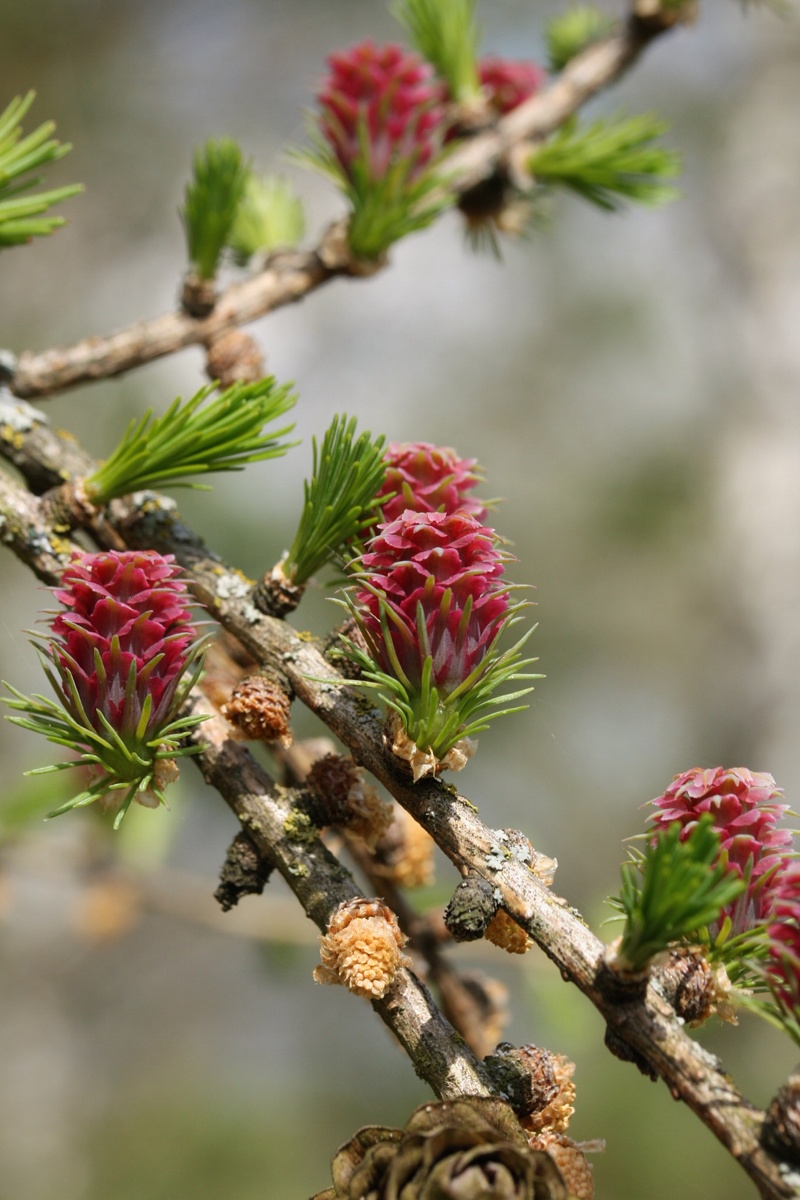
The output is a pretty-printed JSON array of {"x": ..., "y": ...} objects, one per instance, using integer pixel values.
[
  {"x": 780, "y": 1133},
  {"x": 524, "y": 1076},
  {"x": 198, "y": 296},
  {"x": 346, "y": 799},
  {"x": 554, "y": 1117},
  {"x": 234, "y": 357},
  {"x": 260, "y": 708},
  {"x": 473, "y": 904},
  {"x": 276, "y": 595},
  {"x": 362, "y": 948},
  {"x": 690, "y": 975},
  {"x": 503, "y": 931}
]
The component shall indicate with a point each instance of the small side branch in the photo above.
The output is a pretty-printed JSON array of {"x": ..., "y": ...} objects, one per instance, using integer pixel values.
[
  {"x": 321, "y": 884},
  {"x": 288, "y": 277}
]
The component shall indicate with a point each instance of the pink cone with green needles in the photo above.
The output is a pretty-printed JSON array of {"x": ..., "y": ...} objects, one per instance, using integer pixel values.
[
  {"x": 380, "y": 129},
  {"x": 380, "y": 105},
  {"x": 426, "y": 478},
  {"x": 122, "y": 656},
  {"x": 432, "y": 603},
  {"x": 744, "y": 812}
]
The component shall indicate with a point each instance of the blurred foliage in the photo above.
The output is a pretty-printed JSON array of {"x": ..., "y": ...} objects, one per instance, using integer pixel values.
[
  {"x": 21, "y": 216},
  {"x": 573, "y": 31}
]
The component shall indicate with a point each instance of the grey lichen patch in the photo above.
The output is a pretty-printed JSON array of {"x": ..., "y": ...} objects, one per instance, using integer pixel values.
[
  {"x": 233, "y": 585},
  {"x": 40, "y": 543},
  {"x": 18, "y": 415},
  {"x": 250, "y": 613},
  {"x": 495, "y": 859}
]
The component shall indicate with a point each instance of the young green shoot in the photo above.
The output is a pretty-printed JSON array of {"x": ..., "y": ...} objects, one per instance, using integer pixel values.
[
  {"x": 346, "y": 477},
  {"x": 445, "y": 33},
  {"x": 21, "y": 216},
  {"x": 572, "y": 32},
  {"x": 609, "y": 161},
  {"x": 211, "y": 200},
  {"x": 269, "y": 217},
  {"x": 672, "y": 892},
  {"x": 196, "y": 438}
]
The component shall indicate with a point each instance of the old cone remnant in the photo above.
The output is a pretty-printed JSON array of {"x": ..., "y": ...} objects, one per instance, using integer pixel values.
[{"x": 470, "y": 1149}]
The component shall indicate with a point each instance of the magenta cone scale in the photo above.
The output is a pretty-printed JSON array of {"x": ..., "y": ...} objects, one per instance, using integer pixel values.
[
  {"x": 126, "y": 616},
  {"x": 783, "y": 933},
  {"x": 427, "y": 478},
  {"x": 122, "y": 656},
  {"x": 783, "y": 936},
  {"x": 743, "y": 806},
  {"x": 506, "y": 84},
  {"x": 436, "y": 578},
  {"x": 380, "y": 105}
]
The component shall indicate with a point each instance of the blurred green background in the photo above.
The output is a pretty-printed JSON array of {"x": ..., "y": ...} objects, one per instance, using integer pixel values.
[{"x": 630, "y": 384}]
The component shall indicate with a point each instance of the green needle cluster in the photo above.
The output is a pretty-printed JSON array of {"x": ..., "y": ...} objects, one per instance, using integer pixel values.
[
  {"x": 446, "y": 34},
  {"x": 211, "y": 200},
  {"x": 269, "y": 217},
  {"x": 609, "y": 161},
  {"x": 433, "y": 720},
  {"x": 573, "y": 31},
  {"x": 347, "y": 475},
  {"x": 195, "y": 438},
  {"x": 673, "y": 892},
  {"x": 20, "y": 215}
]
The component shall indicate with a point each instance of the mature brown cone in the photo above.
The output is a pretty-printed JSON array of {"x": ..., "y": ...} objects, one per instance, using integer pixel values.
[{"x": 468, "y": 1149}]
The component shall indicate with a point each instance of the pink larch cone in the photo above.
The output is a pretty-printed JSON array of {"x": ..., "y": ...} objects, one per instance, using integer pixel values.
[
  {"x": 438, "y": 577},
  {"x": 427, "y": 478},
  {"x": 379, "y": 105},
  {"x": 744, "y": 810},
  {"x": 126, "y": 619}
]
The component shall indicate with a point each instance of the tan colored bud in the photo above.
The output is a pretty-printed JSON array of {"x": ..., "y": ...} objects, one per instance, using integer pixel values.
[
  {"x": 362, "y": 948},
  {"x": 571, "y": 1162},
  {"x": 406, "y": 852},
  {"x": 504, "y": 932}
]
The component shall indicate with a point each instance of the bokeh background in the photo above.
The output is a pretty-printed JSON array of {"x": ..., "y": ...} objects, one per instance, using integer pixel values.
[{"x": 630, "y": 385}]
